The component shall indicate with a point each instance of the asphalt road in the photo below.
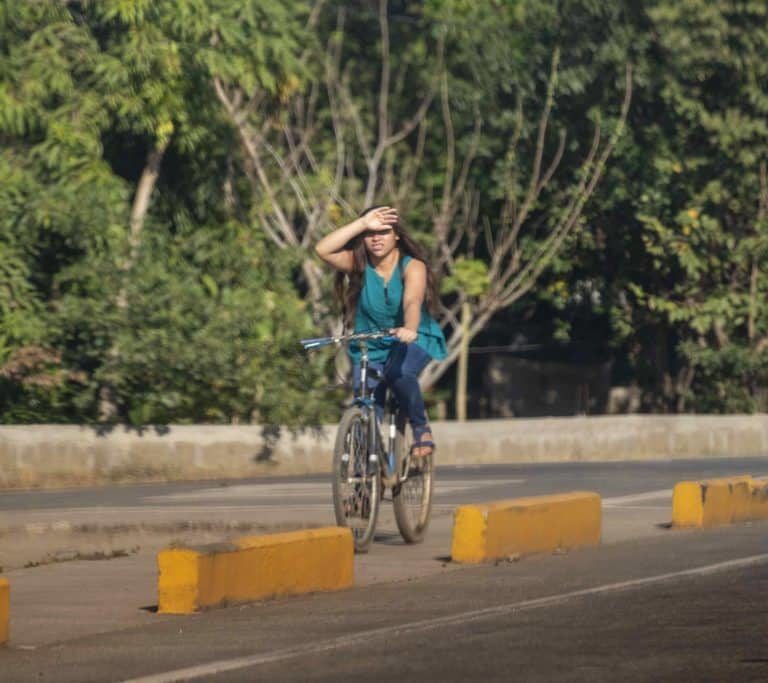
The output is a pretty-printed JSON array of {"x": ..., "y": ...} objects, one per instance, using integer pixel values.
[
  {"x": 608, "y": 479},
  {"x": 650, "y": 604}
]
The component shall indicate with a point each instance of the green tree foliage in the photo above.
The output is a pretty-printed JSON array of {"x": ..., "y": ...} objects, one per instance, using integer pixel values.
[
  {"x": 701, "y": 209},
  {"x": 165, "y": 169},
  {"x": 668, "y": 278},
  {"x": 181, "y": 310}
]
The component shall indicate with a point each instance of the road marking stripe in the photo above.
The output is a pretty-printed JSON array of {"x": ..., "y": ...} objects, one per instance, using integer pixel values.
[
  {"x": 637, "y": 497},
  {"x": 281, "y": 493},
  {"x": 647, "y": 495},
  {"x": 637, "y": 507},
  {"x": 305, "y": 490},
  {"x": 372, "y": 635}
]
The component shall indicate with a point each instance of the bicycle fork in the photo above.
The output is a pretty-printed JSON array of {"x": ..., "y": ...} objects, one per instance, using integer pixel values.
[
  {"x": 391, "y": 464},
  {"x": 377, "y": 456},
  {"x": 373, "y": 440}
]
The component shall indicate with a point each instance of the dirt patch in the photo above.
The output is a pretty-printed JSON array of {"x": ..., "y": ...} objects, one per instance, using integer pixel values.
[
  {"x": 74, "y": 555},
  {"x": 40, "y": 544}
]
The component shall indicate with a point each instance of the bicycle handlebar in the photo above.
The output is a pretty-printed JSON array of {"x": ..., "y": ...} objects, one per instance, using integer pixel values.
[{"x": 317, "y": 342}]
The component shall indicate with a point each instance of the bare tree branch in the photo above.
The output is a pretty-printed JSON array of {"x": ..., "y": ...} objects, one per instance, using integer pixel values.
[
  {"x": 534, "y": 185},
  {"x": 385, "y": 69},
  {"x": 250, "y": 145},
  {"x": 536, "y": 266},
  {"x": 509, "y": 284}
]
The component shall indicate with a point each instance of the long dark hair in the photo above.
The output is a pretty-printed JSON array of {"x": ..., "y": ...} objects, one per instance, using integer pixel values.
[{"x": 347, "y": 286}]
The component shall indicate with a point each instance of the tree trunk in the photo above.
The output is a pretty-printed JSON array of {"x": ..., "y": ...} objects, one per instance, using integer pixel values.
[
  {"x": 107, "y": 406},
  {"x": 461, "y": 379},
  {"x": 139, "y": 210}
]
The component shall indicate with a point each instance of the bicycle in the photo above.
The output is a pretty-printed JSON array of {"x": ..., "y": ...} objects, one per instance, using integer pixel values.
[{"x": 364, "y": 464}]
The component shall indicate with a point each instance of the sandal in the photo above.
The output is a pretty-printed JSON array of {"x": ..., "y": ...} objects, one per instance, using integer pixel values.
[{"x": 421, "y": 444}]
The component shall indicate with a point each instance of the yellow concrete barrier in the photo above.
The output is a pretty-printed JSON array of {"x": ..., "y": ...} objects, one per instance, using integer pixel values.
[
  {"x": 714, "y": 502},
  {"x": 5, "y": 610},
  {"x": 254, "y": 567},
  {"x": 525, "y": 525}
]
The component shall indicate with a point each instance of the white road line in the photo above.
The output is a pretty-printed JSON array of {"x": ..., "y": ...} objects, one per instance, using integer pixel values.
[
  {"x": 638, "y": 507},
  {"x": 373, "y": 635},
  {"x": 469, "y": 484},
  {"x": 636, "y": 498},
  {"x": 296, "y": 490},
  {"x": 105, "y": 512},
  {"x": 193, "y": 515},
  {"x": 306, "y": 490},
  {"x": 620, "y": 501}
]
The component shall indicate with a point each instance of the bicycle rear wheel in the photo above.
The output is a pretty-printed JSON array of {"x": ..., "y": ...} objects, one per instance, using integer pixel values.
[
  {"x": 356, "y": 481},
  {"x": 412, "y": 496}
]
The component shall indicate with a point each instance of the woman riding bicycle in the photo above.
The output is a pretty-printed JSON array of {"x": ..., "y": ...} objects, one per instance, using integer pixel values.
[{"x": 384, "y": 278}]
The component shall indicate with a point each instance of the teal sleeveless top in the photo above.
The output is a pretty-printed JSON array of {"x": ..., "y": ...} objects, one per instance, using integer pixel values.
[{"x": 380, "y": 307}]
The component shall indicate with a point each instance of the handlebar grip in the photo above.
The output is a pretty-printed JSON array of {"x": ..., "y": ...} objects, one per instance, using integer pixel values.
[
  {"x": 313, "y": 340},
  {"x": 315, "y": 343}
]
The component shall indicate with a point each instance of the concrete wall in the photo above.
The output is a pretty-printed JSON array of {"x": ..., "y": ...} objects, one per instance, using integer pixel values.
[{"x": 50, "y": 455}]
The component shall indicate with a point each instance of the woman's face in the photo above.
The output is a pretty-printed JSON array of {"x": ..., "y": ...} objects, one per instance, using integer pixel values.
[{"x": 380, "y": 242}]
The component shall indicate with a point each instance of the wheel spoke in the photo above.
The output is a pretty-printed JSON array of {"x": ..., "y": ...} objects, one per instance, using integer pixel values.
[
  {"x": 354, "y": 498},
  {"x": 413, "y": 501}
]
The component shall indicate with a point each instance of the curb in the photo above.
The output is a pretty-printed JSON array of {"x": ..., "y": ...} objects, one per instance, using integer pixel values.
[
  {"x": 523, "y": 526},
  {"x": 715, "y": 502},
  {"x": 5, "y": 610},
  {"x": 254, "y": 568}
]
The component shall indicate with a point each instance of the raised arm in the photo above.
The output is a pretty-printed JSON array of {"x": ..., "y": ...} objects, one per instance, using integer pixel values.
[{"x": 333, "y": 247}]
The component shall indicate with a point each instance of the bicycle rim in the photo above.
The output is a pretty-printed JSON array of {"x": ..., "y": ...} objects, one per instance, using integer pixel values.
[
  {"x": 356, "y": 482},
  {"x": 412, "y": 497}
]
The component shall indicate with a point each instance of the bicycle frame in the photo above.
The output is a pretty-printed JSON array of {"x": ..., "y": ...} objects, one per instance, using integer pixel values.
[
  {"x": 366, "y": 402},
  {"x": 359, "y": 484},
  {"x": 364, "y": 399}
]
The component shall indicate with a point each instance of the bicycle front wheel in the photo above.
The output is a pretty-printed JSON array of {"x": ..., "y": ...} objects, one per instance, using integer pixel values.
[
  {"x": 412, "y": 495},
  {"x": 356, "y": 480}
]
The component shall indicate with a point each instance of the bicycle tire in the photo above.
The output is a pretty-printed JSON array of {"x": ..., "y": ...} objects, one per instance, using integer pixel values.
[
  {"x": 412, "y": 496},
  {"x": 355, "y": 504}
]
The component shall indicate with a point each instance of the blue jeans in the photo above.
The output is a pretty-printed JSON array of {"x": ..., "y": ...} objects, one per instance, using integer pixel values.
[{"x": 401, "y": 371}]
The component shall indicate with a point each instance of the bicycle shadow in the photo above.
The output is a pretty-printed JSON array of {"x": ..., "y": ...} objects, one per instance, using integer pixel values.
[{"x": 388, "y": 538}]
